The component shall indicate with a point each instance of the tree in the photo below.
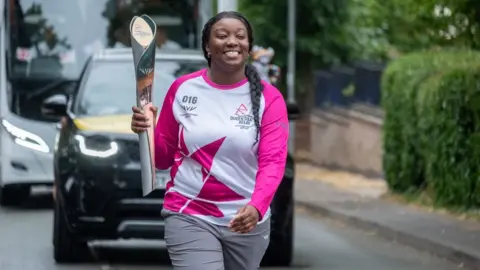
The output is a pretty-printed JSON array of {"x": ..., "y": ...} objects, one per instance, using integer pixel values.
[
  {"x": 410, "y": 25},
  {"x": 321, "y": 39},
  {"x": 331, "y": 32}
]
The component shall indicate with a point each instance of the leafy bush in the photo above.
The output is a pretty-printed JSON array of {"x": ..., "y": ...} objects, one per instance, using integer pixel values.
[
  {"x": 432, "y": 108},
  {"x": 449, "y": 132},
  {"x": 400, "y": 83}
]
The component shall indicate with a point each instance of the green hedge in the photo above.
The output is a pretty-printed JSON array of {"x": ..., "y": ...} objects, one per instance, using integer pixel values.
[
  {"x": 401, "y": 160},
  {"x": 450, "y": 131},
  {"x": 429, "y": 128}
]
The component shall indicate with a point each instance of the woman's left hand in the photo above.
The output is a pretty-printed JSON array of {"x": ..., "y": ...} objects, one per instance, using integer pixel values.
[{"x": 245, "y": 220}]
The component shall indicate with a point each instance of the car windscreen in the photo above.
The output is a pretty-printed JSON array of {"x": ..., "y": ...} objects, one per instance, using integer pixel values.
[
  {"x": 52, "y": 39},
  {"x": 109, "y": 87}
]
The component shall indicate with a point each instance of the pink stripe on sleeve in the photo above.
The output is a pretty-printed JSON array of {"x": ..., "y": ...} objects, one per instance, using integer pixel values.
[
  {"x": 272, "y": 149},
  {"x": 167, "y": 128}
]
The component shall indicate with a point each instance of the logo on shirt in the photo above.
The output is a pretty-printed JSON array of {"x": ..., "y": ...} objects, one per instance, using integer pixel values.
[
  {"x": 189, "y": 105},
  {"x": 242, "y": 118}
]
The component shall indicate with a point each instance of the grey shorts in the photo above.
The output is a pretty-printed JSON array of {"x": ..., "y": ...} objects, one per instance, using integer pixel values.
[{"x": 194, "y": 244}]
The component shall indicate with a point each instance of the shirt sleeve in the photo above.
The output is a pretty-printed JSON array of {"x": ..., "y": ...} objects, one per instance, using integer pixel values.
[
  {"x": 166, "y": 131},
  {"x": 272, "y": 152}
]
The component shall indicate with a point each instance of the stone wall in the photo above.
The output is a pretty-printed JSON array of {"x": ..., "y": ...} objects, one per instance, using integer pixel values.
[
  {"x": 349, "y": 140},
  {"x": 302, "y": 134}
]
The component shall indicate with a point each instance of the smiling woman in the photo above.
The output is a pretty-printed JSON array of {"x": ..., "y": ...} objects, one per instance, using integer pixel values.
[{"x": 227, "y": 154}]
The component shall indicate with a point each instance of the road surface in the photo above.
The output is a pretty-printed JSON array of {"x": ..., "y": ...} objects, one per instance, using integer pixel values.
[{"x": 25, "y": 243}]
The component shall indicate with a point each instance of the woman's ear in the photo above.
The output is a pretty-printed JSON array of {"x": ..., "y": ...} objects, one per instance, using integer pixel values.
[{"x": 208, "y": 51}]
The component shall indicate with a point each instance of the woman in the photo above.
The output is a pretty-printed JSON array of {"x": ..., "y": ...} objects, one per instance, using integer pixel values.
[{"x": 224, "y": 133}]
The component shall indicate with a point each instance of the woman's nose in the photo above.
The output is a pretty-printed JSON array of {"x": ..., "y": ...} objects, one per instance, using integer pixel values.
[{"x": 231, "y": 41}]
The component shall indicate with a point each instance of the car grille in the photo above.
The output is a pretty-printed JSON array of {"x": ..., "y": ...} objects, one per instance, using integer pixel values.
[{"x": 131, "y": 150}]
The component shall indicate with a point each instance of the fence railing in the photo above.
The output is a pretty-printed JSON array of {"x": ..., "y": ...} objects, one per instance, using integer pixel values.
[{"x": 346, "y": 85}]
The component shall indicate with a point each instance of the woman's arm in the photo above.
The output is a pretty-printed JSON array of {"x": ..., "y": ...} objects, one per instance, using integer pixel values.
[
  {"x": 272, "y": 149},
  {"x": 166, "y": 131}
]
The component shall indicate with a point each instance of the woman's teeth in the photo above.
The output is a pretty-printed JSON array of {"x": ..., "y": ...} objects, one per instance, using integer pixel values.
[{"x": 232, "y": 53}]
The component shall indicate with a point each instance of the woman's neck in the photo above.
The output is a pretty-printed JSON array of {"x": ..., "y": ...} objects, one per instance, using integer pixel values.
[{"x": 221, "y": 77}]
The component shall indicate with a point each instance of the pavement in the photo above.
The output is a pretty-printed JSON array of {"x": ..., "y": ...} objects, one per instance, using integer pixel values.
[
  {"x": 357, "y": 201},
  {"x": 320, "y": 243}
]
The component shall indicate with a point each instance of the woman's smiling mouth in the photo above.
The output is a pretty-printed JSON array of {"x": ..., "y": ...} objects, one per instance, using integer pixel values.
[{"x": 232, "y": 53}]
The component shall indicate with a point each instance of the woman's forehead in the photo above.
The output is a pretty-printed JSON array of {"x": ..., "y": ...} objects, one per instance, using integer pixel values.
[{"x": 229, "y": 24}]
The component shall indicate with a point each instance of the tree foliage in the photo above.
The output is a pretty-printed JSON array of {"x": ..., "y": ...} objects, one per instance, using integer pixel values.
[
  {"x": 411, "y": 25},
  {"x": 331, "y": 32},
  {"x": 335, "y": 31},
  {"x": 320, "y": 39}
]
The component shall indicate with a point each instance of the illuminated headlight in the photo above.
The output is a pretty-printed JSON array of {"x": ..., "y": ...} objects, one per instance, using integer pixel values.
[
  {"x": 111, "y": 148},
  {"x": 25, "y": 138}
]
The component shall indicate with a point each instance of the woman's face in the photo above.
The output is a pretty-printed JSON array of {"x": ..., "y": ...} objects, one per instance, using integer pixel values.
[{"x": 228, "y": 45}]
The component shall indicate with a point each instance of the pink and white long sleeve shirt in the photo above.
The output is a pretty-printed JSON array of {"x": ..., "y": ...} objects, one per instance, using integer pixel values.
[{"x": 206, "y": 133}]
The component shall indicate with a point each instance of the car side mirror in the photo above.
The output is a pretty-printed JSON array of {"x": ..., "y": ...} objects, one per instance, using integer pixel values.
[
  {"x": 293, "y": 111},
  {"x": 55, "y": 106}
]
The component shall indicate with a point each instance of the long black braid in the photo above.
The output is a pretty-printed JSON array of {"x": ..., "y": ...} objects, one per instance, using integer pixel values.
[{"x": 256, "y": 86}]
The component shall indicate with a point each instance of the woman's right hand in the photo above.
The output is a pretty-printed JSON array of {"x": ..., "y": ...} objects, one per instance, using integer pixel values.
[{"x": 140, "y": 121}]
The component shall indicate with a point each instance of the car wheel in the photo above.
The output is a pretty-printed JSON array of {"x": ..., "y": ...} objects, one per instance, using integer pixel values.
[
  {"x": 13, "y": 195},
  {"x": 280, "y": 252},
  {"x": 67, "y": 246}
]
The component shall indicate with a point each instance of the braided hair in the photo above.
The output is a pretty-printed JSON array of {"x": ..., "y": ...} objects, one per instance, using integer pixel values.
[{"x": 256, "y": 86}]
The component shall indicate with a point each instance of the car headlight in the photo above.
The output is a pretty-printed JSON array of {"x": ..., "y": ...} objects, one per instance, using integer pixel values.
[
  {"x": 25, "y": 138},
  {"x": 94, "y": 149}
]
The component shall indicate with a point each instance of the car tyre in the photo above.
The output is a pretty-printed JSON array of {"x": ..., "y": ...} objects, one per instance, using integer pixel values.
[
  {"x": 281, "y": 251},
  {"x": 13, "y": 195},
  {"x": 67, "y": 246}
]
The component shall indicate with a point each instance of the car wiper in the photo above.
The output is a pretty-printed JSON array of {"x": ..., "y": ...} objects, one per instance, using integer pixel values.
[{"x": 51, "y": 86}]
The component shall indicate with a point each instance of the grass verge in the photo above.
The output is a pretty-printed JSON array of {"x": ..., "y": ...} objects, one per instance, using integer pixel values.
[{"x": 423, "y": 201}]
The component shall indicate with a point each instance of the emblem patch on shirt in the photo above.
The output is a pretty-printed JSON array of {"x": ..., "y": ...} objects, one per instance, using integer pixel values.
[
  {"x": 242, "y": 118},
  {"x": 189, "y": 104}
]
